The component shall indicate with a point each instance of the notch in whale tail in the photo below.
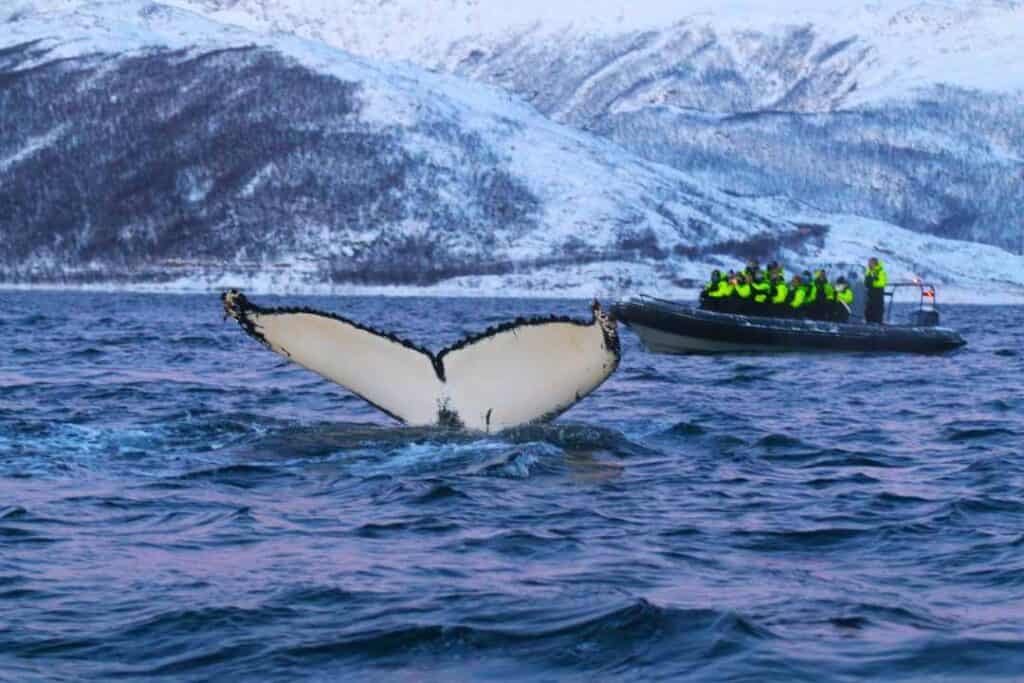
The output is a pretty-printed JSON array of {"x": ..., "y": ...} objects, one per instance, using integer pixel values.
[{"x": 519, "y": 372}]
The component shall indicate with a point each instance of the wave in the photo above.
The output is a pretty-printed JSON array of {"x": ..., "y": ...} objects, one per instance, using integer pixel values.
[
  {"x": 864, "y": 615},
  {"x": 748, "y": 378},
  {"x": 647, "y": 375},
  {"x": 976, "y": 505},
  {"x": 978, "y": 433},
  {"x": 370, "y": 450},
  {"x": 951, "y": 658},
  {"x": 243, "y": 476},
  {"x": 842, "y": 458},
  {"x": 13, "y": 512},
  {"x": 857, "y": 478},
  {"x": 421, "y": 526},
  {"x": 439, "y": 493},
  {"x": 685, "y": 429},
  {"x": 610, "y": 640},
  {"x": 12, "y": 536},
  {"x": 520, "y": 463},
  {"x": 520, "y": 543},
  {"x": 889, "y": 499},
  {"x": 778, "y": 440},
  {"x": 800, "y": 539},
  {"x": 569, "y": 437}
]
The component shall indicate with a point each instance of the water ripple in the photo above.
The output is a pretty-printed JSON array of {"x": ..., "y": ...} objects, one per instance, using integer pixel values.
[{"x": 177, "y": 502}]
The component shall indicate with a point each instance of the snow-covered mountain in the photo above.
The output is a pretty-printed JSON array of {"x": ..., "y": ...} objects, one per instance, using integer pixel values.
[
  {"x": 137, "y": 137},
  {"x": 907, "y": 111},
  {"x": 887, "y": 48},
  {"x": 143, "y": 143}
]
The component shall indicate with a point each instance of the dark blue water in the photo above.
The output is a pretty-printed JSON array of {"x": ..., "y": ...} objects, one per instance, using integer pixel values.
[{"x": 176, "y": 501}]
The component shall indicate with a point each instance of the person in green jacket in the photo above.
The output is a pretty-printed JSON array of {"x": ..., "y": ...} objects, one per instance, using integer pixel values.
[
  {"x": 715, "y": 292},
  {"x": 826, "y": 286},
  {"x": 811, "y": 296},
  {"x": 844, "y": 301},
  {"x": 843, "y": 291},
  {"x": 797, "y": 297},
  {"x": 779, "y": 294},
  {"x": 711, "y": 286},
  {"x": 727, "y": 302},
  {"x": 761, "y": 290},
  {"x": 875, "y": 279},
  {"x": 825, "y": 299},
  {"x": 741, "y": 293}
]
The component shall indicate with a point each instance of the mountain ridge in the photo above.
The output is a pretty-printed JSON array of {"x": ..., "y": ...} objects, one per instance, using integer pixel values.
[
  {"x": 304, "y": 168},
  {"x": 908, "y": 105}
]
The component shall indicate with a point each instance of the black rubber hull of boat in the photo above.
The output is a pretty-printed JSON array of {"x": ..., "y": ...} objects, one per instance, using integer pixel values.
[{"x": 674, "y": 328}]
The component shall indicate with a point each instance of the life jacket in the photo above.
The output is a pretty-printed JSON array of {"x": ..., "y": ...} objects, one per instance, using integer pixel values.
[
  {"x": 742, "y": 290},
  {"x": 880, "y": 278},
  {"x": 761, "y": 291},
  {"x": 779, "y": 293},
  {"x": 845, "y": 295},
  {"x": 812, "y": 293},
  {"x": 722, "y": 290},
  {"x": 798, "y": 297},
  {"x": 827, "y": 291}
]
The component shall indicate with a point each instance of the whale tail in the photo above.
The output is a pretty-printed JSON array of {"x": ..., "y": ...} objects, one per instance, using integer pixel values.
[{"x": 519, "y": 372}]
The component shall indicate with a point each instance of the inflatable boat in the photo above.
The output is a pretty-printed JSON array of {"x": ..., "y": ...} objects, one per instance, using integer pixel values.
[{"x": 669, "y": 327}]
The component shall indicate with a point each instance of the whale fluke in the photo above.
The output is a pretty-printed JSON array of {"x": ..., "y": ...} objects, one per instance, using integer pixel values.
[{"x": 520, "y": 372}]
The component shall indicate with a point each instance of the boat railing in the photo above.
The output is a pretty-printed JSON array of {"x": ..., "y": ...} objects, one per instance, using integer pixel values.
[{"x": 926, "y": 308}]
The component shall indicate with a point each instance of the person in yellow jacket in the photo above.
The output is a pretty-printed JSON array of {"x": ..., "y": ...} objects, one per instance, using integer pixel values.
[
  {"x": 761, "y": 289},
  {"x": 843, "y": 291},
  {"x": 810, "y": 293},
  {"x": 825, "y": 299},
  {"x": 844, "y": 301},
  {"x": 741, "y": 293},
  {"x": 715, "y": 292},
  {"x": 875, "y": 279},
  {"x": 797, "y": 297},
  {"x": 780, "y": 292}
]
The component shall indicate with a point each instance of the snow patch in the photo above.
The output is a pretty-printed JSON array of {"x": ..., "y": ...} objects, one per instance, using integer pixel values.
[
  {"x": 914, "y": 43},
  {"x": 32, "y": 146},
  {"x": 260, "y": 177}
]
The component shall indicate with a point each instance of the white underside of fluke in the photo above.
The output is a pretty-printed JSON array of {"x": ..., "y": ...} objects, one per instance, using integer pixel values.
[
  {"x": 515, "y": 374},
  {"x": 394, "y": 377}
]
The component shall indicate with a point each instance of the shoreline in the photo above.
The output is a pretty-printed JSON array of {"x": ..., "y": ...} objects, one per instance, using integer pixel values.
[{"x": 946, "y": 295}]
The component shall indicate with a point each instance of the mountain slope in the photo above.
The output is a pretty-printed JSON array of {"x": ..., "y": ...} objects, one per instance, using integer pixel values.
[
  {"x": 145, "y": 145},
  {"x": 887, "y": 48},
  {"x": 152, "y": 136},
  {"x": 910, "y": 107}
]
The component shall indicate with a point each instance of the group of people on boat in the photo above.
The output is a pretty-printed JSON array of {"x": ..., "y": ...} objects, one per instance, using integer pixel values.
[{"x": 753, "y": 291}]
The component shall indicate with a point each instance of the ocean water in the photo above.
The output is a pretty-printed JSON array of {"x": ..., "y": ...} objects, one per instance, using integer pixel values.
[{"x": 178, "y": 502}]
